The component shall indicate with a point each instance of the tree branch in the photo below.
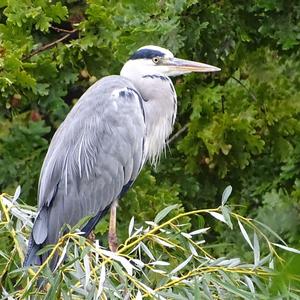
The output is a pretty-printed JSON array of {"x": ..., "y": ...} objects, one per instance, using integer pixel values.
[
  {"x": 50, "y": 45},
  {"x": 248, "y": 90},
  {"x": 178, "y": 133},
  {"x": 62, "y": 30}
]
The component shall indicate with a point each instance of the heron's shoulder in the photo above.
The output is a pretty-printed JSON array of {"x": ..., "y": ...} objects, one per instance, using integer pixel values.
[
  {"x": 110, "y": 83},
  {"x": 100, "y": 94}
]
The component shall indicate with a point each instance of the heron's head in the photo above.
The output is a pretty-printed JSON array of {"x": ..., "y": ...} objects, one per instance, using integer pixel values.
[{"x": 156, "y": 60}]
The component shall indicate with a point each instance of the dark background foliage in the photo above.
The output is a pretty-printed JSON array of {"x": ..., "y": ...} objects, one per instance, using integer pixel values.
[{"x": 239, "y": 127}]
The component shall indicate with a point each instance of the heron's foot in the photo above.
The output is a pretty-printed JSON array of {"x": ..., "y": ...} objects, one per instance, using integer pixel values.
[
  {"x": 112, "y": 241},
  {"x": 92, "y": 236}
]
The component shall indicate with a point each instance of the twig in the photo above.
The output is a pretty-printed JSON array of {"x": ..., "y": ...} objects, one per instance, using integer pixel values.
[
  {"x": 178, "y": 133},
  {"x": 130, "y": 244},
  {"x": 50, "y": 45},
  {"x": 61, "y": 29},
  {"x": 249, "y": 92},
  {"x": 216, "y": 269}
]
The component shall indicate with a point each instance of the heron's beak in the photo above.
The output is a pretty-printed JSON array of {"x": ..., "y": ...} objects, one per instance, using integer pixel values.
[{"x": 187, "y": 66}]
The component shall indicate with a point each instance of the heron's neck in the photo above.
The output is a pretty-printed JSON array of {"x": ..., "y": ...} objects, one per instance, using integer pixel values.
[{"x": 160, "y": 106}]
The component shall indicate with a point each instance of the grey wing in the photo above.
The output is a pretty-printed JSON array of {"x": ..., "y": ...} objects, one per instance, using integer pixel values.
[{"x": 97, "y": 151}]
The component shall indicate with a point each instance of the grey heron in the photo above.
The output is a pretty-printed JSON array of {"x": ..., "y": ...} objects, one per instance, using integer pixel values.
[{"x": 96, "y": 154}]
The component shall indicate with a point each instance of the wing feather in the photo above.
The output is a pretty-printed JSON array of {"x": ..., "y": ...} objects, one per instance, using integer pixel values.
[{"x": 95, "y": 153}]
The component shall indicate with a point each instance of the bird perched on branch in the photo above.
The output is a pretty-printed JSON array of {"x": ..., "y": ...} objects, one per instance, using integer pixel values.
[{"x": 96, "y": 154}]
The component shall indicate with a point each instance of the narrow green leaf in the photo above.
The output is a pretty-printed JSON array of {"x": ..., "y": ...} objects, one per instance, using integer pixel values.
[
  {"x": 53, "y": 292},
  {"x": 196, "y": 289},
  {"x": 233, "y": 289},
  {"x": 147, "y": 251},
  {"x": 218, "y": 216},
  {"x": 101, "y": 281},
  {"x": 164, "y": 213},
  {"x": 130, "y": 227},
  {"x": 182, "y": 265},
  {"x": 87, "y": 269},
  {"x": 250, "y": 284},
  {"x": 17, "y": 194},
  {"x": 226, "y": 214},
  {"x": 245, "y": 234},
  {"x": 290, "y": 249},
  {"x": 256, "y": 249},
  {"x": 227, "y": 192}
]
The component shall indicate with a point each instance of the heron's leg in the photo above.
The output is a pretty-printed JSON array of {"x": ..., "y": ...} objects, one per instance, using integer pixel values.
[{"x": 112, "y": 233}]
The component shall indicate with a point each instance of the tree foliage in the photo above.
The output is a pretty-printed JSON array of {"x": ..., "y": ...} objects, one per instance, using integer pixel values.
[{"x": 239, "y": 127}]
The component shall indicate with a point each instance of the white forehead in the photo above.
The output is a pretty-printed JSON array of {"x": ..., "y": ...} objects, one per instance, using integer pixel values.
[{"x": 167, "y": 52}]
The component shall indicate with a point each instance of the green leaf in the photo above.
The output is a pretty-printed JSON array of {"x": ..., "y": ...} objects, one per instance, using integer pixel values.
[
  {"x": 218, "y": 216},
  {"x": 245, "y": 234},
  {"x": 226, "y": 215},
  {"x": 226, "y": 194},
  {"x": 290, "y": 249},
  {"x": 162, "y": 214}
]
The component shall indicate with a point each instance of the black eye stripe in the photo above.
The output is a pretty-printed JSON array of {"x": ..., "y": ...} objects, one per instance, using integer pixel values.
[{"x": 147, "y": 53}]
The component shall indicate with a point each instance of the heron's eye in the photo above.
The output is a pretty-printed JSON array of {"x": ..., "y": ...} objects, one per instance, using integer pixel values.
[{"x": 156, "y": 59}]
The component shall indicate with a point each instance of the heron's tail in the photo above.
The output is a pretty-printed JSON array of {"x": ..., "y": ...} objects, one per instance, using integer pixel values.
[
  {"x": 31, "y": 257},
  {"x": 34, "y": 259}
]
